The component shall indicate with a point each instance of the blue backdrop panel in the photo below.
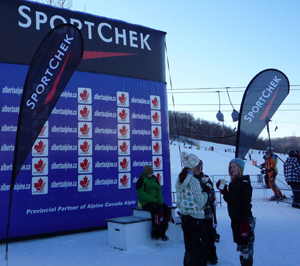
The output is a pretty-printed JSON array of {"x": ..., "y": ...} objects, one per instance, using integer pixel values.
[{"x": 51, "y": 193}]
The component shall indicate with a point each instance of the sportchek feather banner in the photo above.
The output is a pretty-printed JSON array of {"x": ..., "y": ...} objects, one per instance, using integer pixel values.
[
  {"x": 262, "y": 97},
  {"x": 49, "y": 72}
]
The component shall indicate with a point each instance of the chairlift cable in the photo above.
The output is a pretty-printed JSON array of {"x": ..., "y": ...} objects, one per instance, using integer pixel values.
[{"x": 229, "y": 97}]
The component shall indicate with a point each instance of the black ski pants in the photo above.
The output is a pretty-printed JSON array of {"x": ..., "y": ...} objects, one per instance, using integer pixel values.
[{"x": 195, "y": 241}]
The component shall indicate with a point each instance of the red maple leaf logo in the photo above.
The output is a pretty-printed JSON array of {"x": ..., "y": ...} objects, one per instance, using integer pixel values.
[
  {"x": 40, "y": 166},
  {"x": 85, "y": 182},
  {"x": 155, "y": 102},
  {"x": 123, "y": 131},
  {"x": 156, "y": 132},
  {"x": 85, "y": 165},
  {"x": 85, "y": 112},
  {"x": 124, "y": 164},
  {"x": 43, "y": 130},
  {"x": 124, "y": 147},
  {"x": 123, "y": 115},
  {"x": 157, "y": 162},
  {"x": 84, "y": 95},
  {"x": 85, "y": 147},
  {"x": 156, "y": 147},
  {"x": 85, "y": 130},
  {"x": 158, "y": 176},
  {"x": 122, "y": 99},
  {"x": 124, "y": 180},
  {"x": 155, "y": 117},
  {"x": 39, "y": 186},
  {"x": 40, "y": 147}
]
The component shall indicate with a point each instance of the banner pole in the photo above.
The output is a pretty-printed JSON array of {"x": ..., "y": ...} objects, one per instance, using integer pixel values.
[
  {"x": 269, "y": 135},
  {"x": 8, "y": 221}
]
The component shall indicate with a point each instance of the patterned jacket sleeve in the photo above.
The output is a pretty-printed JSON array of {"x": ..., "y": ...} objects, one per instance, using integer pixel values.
[
  {"x": 297, "y": 167},
  {"x": 199, "y": 195}
]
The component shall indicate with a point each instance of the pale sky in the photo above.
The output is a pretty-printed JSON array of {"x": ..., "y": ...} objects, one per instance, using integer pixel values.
[{"x": 218, "y": 44}]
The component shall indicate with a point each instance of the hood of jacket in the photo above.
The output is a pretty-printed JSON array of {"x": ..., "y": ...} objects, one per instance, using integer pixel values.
[{"x": 181, "y": 186}]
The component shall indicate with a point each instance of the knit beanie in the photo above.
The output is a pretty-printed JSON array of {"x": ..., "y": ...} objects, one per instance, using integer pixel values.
[
  {"x": 189, "y": 160},
  {"x": 148, "y": 170},
  {"x": 239, "y": 162}
]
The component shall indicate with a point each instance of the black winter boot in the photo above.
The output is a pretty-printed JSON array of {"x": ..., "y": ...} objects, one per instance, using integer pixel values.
[
  {"x": 187, "y": 260},
  {"x": 242, "y": 260},
  {"x": 163, "y": 228},
  {"x": 248, "y": 262},
  {"x": 155, "y": 233}
]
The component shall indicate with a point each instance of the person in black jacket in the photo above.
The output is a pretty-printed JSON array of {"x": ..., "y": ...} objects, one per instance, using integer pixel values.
[
  {"x": 292, "y": 176},
  {"x": 238, "y": 197},
  {"x": 210, "y": 215}
]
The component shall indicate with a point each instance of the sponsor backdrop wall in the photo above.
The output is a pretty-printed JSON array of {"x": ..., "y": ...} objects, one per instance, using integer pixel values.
[{"x": 110, "y": 122}]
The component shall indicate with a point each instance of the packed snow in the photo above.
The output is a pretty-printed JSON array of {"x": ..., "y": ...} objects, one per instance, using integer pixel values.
[{"x": 277, "y": 229}]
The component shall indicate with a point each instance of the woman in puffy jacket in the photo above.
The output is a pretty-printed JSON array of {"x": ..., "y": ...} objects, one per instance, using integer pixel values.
[
  {"x": 238, "y": 196},
  {"x": 191, "y": 200}
]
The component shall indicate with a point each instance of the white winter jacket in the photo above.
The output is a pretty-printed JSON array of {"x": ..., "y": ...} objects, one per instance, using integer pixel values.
[{"x": 191, "y": 199}]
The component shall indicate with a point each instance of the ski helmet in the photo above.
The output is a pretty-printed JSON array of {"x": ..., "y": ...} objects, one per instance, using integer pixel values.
[
  {"x": 292, "y": 153},
  {"x": 270, "y": 150}
]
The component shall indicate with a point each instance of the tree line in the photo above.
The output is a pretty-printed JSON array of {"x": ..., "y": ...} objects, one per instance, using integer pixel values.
[{"x": 185, "y": 125}]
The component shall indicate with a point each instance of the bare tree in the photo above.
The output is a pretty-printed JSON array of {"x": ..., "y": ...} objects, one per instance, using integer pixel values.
[{"x": 60, "y": 3}]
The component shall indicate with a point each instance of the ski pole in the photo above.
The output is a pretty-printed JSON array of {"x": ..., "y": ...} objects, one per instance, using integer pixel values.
[
  {"x": 279, "y": 158},
  {"x": 282, "y": 182}
]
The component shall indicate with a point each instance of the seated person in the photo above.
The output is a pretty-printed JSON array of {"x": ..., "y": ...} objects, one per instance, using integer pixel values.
[{"x": 151, "y": 199}]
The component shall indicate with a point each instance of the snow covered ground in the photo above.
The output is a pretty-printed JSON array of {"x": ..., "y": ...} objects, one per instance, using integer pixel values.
[{"x": 277, "y": 229}]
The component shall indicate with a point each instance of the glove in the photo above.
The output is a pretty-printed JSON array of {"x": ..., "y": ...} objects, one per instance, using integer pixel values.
[
  {"x": 205, "y": 188},
  {"x": 223, "y": 191},
  {"x": 244, "y": 230},
  {"x": 211, "y": 196}
]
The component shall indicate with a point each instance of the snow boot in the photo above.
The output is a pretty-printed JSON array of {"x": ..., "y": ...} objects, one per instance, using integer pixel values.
[
  {"x": 248, "y": 262},
  {"x": 242, "y": 260},
  {"x": 172, "y": 220},
  {"x": 283, "y": 197},
  {"x": 163, "y": 229},
  {"x": 273, "y": 198},
  {"x": 217, "y": 238},
  {"x": 212, "y": 262},
  {"x": 187, "y": 260},
  {"x": 156, "y": 232},
  {"x": 164, "y": 238}
]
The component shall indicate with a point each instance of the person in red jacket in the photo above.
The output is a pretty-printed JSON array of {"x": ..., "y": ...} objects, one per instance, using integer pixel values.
[
  {"x": 272, "y": 172},
  {"x": 238, "y": 196}
]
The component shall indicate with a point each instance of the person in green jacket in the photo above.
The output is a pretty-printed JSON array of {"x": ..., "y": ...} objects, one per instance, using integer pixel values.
[{"x": 151, "y": 199}]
